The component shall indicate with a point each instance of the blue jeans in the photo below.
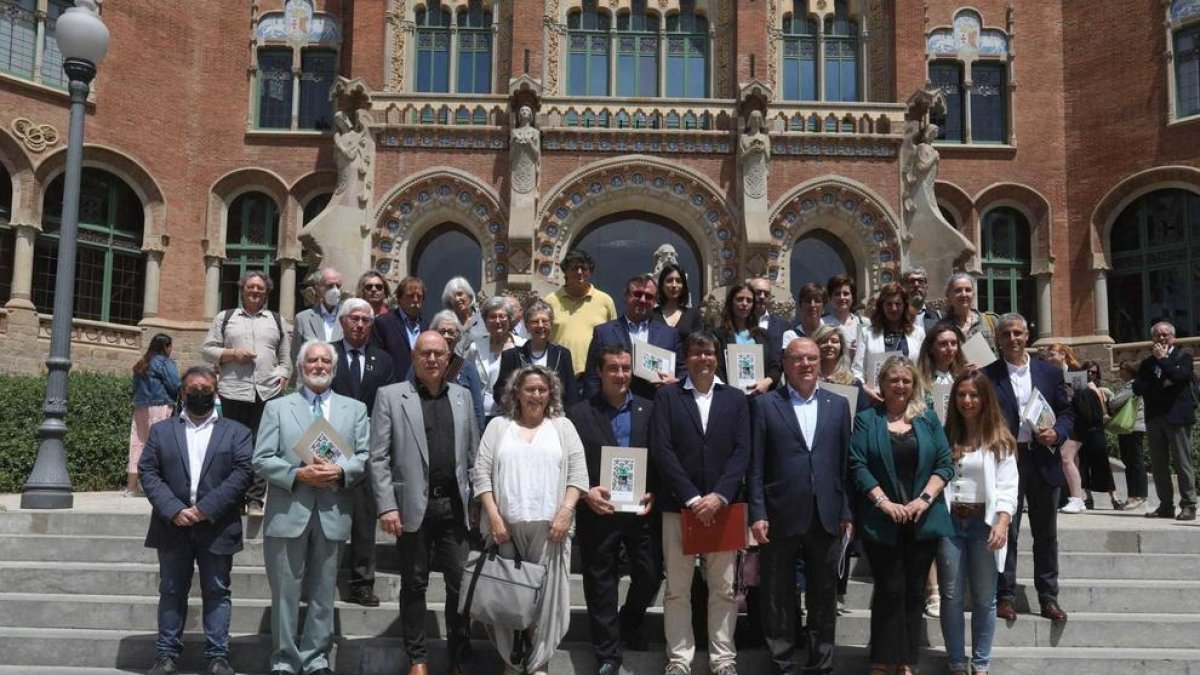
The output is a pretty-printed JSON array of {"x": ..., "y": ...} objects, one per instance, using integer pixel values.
[
  {"x": 175, "y": 566},
  {"x": 961, "y": 559}
]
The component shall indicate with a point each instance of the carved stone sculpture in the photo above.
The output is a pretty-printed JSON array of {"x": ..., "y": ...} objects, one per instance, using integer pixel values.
[
  {"x": 754, "y": 154},
  {"x": 664, "y": 255},
  {"x": 341, "y": 234},
  {"x": 525, "y": 149}
]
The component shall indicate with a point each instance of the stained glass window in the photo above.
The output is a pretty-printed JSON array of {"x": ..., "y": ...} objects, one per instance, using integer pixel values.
[
  {"x": 799, "y": 54},
  {"x": 946, "y": 77},
  {"x": 275, "y": 88},
  {"x": 989, "y": 103},
  {"x": 1187, "y": 71},
  {"x": 1006, "y": 284},
  {"x": 474, "y": 49},
  {"x": 109, "y": 262},
  {"x": 318, "y": 70},
  {"x": 687, "y": 53},
  {"x": 587, "y": 51},
  {"x": 433, "y": 48},
  {"x": 251, "y": 240}
]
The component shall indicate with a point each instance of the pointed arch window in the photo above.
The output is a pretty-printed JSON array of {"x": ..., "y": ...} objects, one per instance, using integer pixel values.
[
  {"x": 22, "y": 53},
  {"x": 297, "y": 61}
]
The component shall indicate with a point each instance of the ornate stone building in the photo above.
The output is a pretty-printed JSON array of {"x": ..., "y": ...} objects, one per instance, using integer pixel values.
[{"x": 792, "y": 138}]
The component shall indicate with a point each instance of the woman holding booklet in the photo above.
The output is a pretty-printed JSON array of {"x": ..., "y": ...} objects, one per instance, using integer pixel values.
[
  {"x": 835, "y": 367},
  {"x": 738, "y": 327},
  {"x": 960, "y": 301},
  {"x": 892, "y": 330}
]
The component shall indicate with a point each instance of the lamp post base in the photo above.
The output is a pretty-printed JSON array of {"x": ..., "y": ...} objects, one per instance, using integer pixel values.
[{"x": 47, "y": 498}]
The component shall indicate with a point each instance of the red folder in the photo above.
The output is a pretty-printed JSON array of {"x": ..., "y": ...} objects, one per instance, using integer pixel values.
[{"x": 727, "y": 533}]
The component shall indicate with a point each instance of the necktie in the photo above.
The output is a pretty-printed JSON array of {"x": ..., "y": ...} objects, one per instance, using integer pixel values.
[
  {"x": 355, "y": 371},
  {"x": 316, "y": 408}
]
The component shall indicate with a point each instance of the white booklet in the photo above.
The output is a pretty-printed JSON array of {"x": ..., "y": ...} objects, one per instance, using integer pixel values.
[
  {"x": 652, "y": 363},
  {"x": 1038, "y": 415},
  {"x": 941, "y": 399},
  {"x": 1078, "y": 379},
  {"x": 874, "y": 363},
  {"x": 623, "y": 472},
  {"x": 321, "y": 440},
  {"x": 744, "y": 365},
  {"x": 846, "y": 391},
  {"x": 976, "y": 350}
]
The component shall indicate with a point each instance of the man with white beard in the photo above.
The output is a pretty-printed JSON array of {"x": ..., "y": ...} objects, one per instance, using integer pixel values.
[{"x": 308, "y": 509}]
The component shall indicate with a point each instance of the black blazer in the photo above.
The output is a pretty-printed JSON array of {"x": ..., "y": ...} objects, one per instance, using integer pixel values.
[
  {"x": 690, "y": 322},
  {"x": 558, "y": 359},
  {"x": 787, "y": 474},
  {"x": 1174, "y": 403},
  {"x": 771, "y": 348},
  {"x": 389, "y": 334},
  {"x": 224, "y": 476},
  {"x": 691, "y": 462},
  {"x": 377, "y": 372},
  {"x": 617, "y": 332},
  {"x": 776, "y": 327},
  {"x": 590, "y": 418},
  {"x": 1048, "y": 380}
]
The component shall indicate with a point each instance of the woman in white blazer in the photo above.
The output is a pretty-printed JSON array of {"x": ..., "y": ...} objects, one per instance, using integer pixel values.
[
  {"x": 892, "y": 328},
  {"x": 982, "y": 498},
  {"x": 484, "y": 352}
]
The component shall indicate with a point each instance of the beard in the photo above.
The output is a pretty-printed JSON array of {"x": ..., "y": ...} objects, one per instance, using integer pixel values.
[{"x": 317, "y": 382}]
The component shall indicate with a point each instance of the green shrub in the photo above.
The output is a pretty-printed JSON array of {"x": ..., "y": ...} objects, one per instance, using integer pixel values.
[{"x": 99, "y": 410}]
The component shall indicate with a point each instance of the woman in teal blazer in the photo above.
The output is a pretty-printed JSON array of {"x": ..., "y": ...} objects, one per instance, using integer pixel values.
[{"x": 899, "y": 462}]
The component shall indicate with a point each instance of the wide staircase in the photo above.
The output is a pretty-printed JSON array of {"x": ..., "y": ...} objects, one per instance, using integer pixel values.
[{"x": 78, "y": 595}]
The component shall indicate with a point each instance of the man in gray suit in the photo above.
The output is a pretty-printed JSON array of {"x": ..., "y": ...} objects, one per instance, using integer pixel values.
[
  {"x": 308, "y": 509},
  {"x": 319, "y": 322},
  {"x": 423, "y": 444}
]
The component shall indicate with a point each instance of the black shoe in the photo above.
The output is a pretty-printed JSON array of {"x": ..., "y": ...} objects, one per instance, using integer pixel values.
[
  {"x": 1186, "y": 513},
  {"x": 322, "y": 671},
  {"x": 1160, "y": 512},
  {"x": 609, "y": 668},
  {"x": 163, "y": 665},
  {"x": 219, "y": 666},
  {"x": 282, "y": 672},
  {"x": 363, "y": 595},
  {"x": 634, "y": 641}
]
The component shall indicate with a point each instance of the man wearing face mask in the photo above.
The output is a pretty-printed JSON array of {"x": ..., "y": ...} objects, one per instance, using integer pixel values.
[
  {"x": 320, "y": 321},
  {"x": 195, "y": 470},
  {"x": 308, "y": 509}
]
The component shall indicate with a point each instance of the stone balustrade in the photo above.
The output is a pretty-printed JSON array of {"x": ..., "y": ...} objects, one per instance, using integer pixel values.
[
  {"x": 422, "y": 109},
  {"x": 875, "y": 120},
  {"x": 96, "y": 333}
]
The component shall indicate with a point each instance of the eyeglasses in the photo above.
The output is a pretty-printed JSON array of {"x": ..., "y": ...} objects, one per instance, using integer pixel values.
[
  {"x": 372, "y": 287},
  {"x": 642, "y": 295},
  {"x": 358, "y": 319}
]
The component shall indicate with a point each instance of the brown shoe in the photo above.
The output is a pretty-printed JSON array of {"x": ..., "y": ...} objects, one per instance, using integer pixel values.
[
  {"x": 1006, "y": 611},
  {"x": 1052, "y": 611},
  {"x": 1186, "y": 513},
  {"x": 418, "y": 669}
]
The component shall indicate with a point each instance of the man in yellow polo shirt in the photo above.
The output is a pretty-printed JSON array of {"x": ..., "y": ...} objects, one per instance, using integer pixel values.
[{"x": 578, "y": 308}]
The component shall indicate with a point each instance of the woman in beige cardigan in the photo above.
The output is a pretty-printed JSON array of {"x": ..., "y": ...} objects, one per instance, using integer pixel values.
[{"x": 529, "y": 474}]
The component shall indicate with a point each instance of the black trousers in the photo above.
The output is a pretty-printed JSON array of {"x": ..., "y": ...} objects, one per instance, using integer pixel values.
[
  {"x": 601, "y": 539},
  {"x": 1042, "y": 500},
  {"x": 1095, "y": 472},
  {"x": 777, "y": 585},
  {"x": 442, "y": 536},
  {"x": 362, "y": 536},
  {"x": 898, "y": 599},
  {"x": 250, "y": 414},
  {"x": 1133, "y": 454}
]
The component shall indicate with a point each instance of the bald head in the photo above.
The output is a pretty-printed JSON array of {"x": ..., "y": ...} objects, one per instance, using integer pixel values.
[
  {"x": 431, "y": 355},
  {"x": 801, "y": 365}
]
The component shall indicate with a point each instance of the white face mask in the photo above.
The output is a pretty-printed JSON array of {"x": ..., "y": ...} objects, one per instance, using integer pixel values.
[{"x": 332, "y": 296}]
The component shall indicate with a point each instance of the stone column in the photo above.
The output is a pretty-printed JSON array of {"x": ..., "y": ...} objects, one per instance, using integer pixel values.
[
  {"x": 212, "y": 286},
  {"x": 1044, "y": 305},
  {"x": 153, "y": 281},
  {"x": 22, "y": 273},
  {"x": 1100, "y": 302},
  {"x": 287, "y": 288}
]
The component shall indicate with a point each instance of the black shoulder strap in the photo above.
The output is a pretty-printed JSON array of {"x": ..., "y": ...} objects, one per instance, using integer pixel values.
[{"x": 225, "y": 322}]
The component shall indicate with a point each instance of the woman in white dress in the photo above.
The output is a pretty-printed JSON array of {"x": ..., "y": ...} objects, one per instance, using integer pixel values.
[{"x": 529, "y": 475}]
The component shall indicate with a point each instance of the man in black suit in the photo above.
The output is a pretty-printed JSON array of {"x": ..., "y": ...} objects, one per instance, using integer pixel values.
[
  {"x": 195, "y": 470},
  {"x": 916, "y": 282},
  {"x": 800, "y": 436},
  {"x": 634, "y": 326},
  {"x": 774, "y": 325},
  {"x": 615, "y": 417},
  {"x": 1164, "y": 381},
  {"x": 700, "y": 448},
  {"x": 1016, "y": 376},
  {"x": 362, "y": 369},
  {"x": 396, "y": 332}
]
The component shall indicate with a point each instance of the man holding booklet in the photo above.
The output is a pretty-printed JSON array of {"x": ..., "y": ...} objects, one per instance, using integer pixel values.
[
  {"x": 700, "y": 450},
  {"x": 1037, "y": 408},
  {"x": 637, "y": 329},
  {"x": 800, "y": 436},
  {"x": 614, "y": 426}
]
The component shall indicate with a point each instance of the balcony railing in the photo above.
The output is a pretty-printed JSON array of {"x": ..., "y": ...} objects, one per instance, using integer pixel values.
[
  {"x": 839, "y": 119},
  {"x": 422, "y": 109},
  {"x": 688, "y": 115}
]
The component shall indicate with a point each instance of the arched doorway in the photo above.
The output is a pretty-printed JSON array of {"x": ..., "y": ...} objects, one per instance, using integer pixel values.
[
  {"x": 816, "y": 256},
  {"x": 445, "y": 252},
  {"x": 7, "y": 236},
  {"x": 623, "y": 245}
]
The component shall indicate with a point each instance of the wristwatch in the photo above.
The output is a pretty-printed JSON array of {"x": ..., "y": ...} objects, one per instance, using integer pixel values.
[{"x": 926, "y": 497}]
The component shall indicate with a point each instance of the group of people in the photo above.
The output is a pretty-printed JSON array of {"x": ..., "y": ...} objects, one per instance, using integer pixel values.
[{"x": 492, "y": 419}]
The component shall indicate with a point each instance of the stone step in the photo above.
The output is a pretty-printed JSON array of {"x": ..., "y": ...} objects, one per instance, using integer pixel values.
[
  {"x": 32, "y": 610},
  {"x": 97, "y": 651},
  {"x": 117, "y": 549},
  {"x": 1124, "y": 532}
]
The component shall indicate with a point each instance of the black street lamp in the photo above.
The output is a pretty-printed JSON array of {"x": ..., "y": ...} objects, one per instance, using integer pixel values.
[{"x": 83, "y": 40}]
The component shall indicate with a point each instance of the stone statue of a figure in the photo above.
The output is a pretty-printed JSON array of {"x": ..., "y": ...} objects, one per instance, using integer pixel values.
[
  {"x": 754, "y": 151},
  {"x": 664, "y": 255},
  {"x": 525, "y": 146}
]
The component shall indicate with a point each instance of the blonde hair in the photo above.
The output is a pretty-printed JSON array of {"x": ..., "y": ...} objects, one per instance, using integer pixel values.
[
  {"x": 842, "y": 374},
  {"x": 916, "y": 402}
]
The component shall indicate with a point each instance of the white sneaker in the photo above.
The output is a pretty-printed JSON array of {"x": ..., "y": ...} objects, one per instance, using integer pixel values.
[{"x": 1074, "y": 505}]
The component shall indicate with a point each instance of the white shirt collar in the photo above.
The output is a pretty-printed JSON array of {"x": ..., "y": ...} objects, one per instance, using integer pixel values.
[
  {"x": 687, "y": 384},
  {"x": 211, "y": 419},
  {"x": 797, "y": 397}
]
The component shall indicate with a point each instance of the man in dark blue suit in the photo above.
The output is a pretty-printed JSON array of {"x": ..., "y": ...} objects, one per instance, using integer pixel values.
[
  {"x": 700, "y": 447},
  {"x": 396, "y": 332},
  {"x": 800, "y": 436},
  {"x": 1164, "y": 381},
  {"x": 615, "y": 417},
  {"x": 362, "y": 369},
  {"x": 634, "y": 326},
  {"x": 1016, "y": 377},
  {"x": 195, "y": 469}
]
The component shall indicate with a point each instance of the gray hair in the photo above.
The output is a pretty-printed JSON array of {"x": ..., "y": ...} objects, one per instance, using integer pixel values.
[
  {"x": 498, "y": 302},
  {"x": 509, "y": 405},
  {"x": 1008, "y": 319},
  {"x": 250, "y": 274},
  {"x": 351, "y": 304},
  {"x": 957, "y": 277},
  {"x": 916, "y": 402},
  {"x": 1168, "y": 324},
  {"x": 445, "y": 316},
  {"x": 918, "y": 271},
  {"x": 539, "y": 307},
  {"x": 454, "y": 286},
  {"x": 309, "y": 344}
]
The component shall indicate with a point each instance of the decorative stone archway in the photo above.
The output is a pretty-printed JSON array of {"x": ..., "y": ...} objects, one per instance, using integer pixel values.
[
  {"x": 429, "y": 199},
  {"x": 638, "y": 183},
  {"x": 847, "y": 210}
]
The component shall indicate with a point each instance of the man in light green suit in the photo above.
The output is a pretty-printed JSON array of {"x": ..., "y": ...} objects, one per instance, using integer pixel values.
[{"x": 308, "y": 509}]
